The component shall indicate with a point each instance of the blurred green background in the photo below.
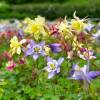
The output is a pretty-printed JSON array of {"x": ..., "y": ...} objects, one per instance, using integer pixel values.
[{"x": 51, "y": 9}]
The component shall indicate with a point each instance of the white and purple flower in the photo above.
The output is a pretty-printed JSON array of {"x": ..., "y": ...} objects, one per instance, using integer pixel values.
[
  {"x": 35, "y": 50},
  {"x": 53, "y": 66},
  {"x": 83, "y": 73},
  {"x": 86, "y": 54}
]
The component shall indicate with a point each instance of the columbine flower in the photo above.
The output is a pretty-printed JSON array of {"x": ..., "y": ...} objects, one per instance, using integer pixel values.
[
  {"x": 77, "y": 24},
  {"x": 55, "y": 47},
  {"x": 10, "y": 66},
  {"x": 64, "y": 28},
  {"x": 15, "y": 45},
  {"x": 86, "y": 54},
  {"x": 35, "y": 49},
  {"x": 83, "y": 73},
  {"x": 53, "y": 66},
  {"x": 35, "y": 26}
]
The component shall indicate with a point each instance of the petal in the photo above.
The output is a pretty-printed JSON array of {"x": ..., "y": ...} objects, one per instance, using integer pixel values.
[
  {"x": 55, "y": 47},
  {"x": 32, "y": 43},
  {"x": 15, "y": 38},
  {"x": 84, "y": 69},
  {"x": 10, "y": 68},
  {"x": 60, "y": 61},
  {"x": 51, "y": 74},
  {"x": 58, "y": 70},
  {"x": 42, "y": 53},
  {"x": 89, "y": 27},
  {"x": 35, "y": 56},
  {"x": 28, "y": 52},
  {"x": 49, "y": 59},
  {"x": 18, "y": 50},
  {"x": 42, "y": 43},
  {"x": 23, "y": 41},
  {"x": 55, "y": 44},
  {"x": 75, "y": 66},
  {"x": 47, "y": 69},
  {"x": 93, "y": 74},
  {"x": 91, "y": 52}
]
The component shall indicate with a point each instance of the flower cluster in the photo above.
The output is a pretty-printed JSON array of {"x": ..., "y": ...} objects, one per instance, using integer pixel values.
[{"x": 71, "y": 40}]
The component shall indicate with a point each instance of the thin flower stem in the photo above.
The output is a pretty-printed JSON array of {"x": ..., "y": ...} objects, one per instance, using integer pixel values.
[{"x": 88, "y": 64}]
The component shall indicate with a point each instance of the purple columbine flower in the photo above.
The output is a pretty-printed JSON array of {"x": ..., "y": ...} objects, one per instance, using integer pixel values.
[
  {"x": 35, "y": 50},
  {"x": 83, "y": 73},
  {"x": 55, "y": 47},
  {"x": 53, "y": 66}
]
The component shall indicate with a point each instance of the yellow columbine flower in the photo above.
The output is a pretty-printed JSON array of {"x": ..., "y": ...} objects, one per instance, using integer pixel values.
[
  {"x": 35, "y": 26},
  {"x": 64, "y": 29},
  {"x": 77, "y": 24},
  {"x": 15, "y": 46}
]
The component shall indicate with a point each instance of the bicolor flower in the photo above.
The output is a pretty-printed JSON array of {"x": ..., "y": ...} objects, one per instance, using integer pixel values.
[
  {"x": 53, "y": 66},
  {"x": 55, "y": 47},
  {"x": 35, "y": 49},
  {"x": 86, "y": 54},
  {"x": 83, "y": 73},
  {"x": 15, "y": 45}
]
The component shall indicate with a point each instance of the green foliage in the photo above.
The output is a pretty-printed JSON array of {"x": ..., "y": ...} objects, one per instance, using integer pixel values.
[
  {"x": 29, "y": 82},
  {"x": 34, "y": 1}
]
